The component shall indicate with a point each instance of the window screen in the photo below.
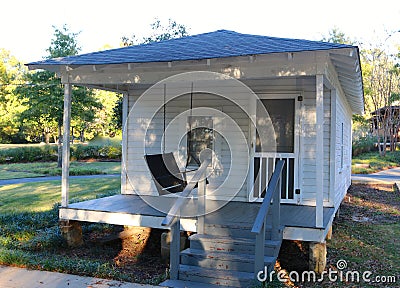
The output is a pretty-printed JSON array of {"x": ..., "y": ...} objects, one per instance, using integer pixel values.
[{"x": 281, "y": 113}]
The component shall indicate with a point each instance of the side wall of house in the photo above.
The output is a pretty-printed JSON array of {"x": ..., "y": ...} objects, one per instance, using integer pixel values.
[{"x": 342, "y": 148}]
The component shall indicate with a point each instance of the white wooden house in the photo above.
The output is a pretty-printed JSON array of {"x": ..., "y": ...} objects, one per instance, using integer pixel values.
[{"x": 214, "y": 85}]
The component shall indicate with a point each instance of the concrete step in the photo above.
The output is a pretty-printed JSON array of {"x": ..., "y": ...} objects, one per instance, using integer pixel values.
[
  {"x": 240, "y": 230},
  {"x": 222, "y": 260},
  {"x": 216, "y": 277},
  {"x": 228, "y": 244},
  {"x": 188, "y": 284}
]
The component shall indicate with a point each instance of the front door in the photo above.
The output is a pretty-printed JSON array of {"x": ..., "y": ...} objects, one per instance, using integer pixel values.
[{"x": 283, "y": 112}]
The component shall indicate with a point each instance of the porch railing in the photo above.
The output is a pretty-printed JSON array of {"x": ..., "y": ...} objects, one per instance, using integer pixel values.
[
  {"x": 273, "y": 194},
  {"x": 172, "y": 220},
  {"x": 264, "y": 166}
]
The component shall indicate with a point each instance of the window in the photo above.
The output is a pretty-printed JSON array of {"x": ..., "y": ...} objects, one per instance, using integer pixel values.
[
  {"x": 199, "y": 137},
  {"x": 342, "y": 147}
]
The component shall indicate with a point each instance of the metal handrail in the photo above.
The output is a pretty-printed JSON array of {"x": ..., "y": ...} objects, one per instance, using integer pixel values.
[
  {"x": 172, "y": 220},
  {"x": 183, "y": 197},
  {"x": 273, "y": 193}
]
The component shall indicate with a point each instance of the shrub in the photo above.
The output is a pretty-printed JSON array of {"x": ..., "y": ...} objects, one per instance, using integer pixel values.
[
  {"x": 28, "y": 154},
  {"x": 49, "y": 153},
  {"x": 84, "y": 152},
  {"x": 363, "y": 145}
]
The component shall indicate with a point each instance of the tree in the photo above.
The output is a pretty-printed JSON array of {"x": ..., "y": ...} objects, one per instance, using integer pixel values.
[
  {"x": 335, "y": 35},
  {"x": 381, "y": 90},
  {"x": 160, "y": 32},
  {"x": 11, "y": 72},
  {"x": 44, "y": 94}
]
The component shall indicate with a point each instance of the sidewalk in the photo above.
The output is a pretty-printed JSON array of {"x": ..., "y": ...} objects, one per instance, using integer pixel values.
[
  {"x": 11, "y": 277},
  {"x": 390, "y": 176}
]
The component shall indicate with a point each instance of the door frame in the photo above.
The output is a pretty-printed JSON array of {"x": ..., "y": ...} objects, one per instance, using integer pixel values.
[{"x": 297, "y": 144}]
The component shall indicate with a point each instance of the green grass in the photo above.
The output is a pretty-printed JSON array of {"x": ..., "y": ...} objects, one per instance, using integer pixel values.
[
  {"x": 41, "y": 196},
  {"x": 371, "y": 162},
  {"x": 370, "y": 244},
  {"x": 29, "y": 232},
  {"x": 106, "y": 141},
  {"x": 6, "y": 175},
  {"x": 5, "y": 146},
  {"x": 30, "y": 236},
  {"x": 21, "y": 170}
]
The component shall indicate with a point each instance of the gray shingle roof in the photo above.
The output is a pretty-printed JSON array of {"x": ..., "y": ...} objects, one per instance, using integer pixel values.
[{"x": 218, "y": 44}]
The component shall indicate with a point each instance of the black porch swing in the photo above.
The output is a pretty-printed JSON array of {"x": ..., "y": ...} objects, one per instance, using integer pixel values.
[{"x": 163, "y": 167}]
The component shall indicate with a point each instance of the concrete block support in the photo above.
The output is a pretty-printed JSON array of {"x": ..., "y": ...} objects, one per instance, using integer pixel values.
[
  {"x": 165, "y": 244},
  {"x": 72, "y": 232},
  {"x": 317, "y": 257}
]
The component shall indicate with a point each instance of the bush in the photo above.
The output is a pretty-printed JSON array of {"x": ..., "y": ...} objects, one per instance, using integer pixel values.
[
  {"x": 363, "y": 145},
  {"x": 84, "y": 152},
  {"x": 28, "y": 154},
  {"x": 49, "y": 153}
]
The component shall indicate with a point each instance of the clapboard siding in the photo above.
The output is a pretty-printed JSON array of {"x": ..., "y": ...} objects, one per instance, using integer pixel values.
[
  {"x": 176, "y": 113},
  {"x": 308, "y": 145},
  {"x": 343, "y": 172},
  {"x": 176, "y": 141}
]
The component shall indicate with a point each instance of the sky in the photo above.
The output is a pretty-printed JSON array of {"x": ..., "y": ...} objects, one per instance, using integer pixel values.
[{"x": 26, "y": 26}]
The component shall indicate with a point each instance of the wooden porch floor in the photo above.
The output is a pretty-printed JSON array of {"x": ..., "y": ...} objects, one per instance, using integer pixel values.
[{"x": 133, "y": 210}]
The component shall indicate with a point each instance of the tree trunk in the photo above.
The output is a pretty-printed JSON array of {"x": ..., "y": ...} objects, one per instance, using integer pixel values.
[
  {"x": 59, "y": 148},
  {"x": 46, "y": 137},
  {"x": 82, "y": 135}
]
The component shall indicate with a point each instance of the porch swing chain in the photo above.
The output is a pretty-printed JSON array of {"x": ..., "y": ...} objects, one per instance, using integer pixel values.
[
  {"x": 164, "y": 119},
  {"x": 190, "y": 125}
]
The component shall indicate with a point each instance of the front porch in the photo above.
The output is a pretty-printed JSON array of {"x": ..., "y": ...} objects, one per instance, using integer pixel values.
[{"x": 133, "y": 210}]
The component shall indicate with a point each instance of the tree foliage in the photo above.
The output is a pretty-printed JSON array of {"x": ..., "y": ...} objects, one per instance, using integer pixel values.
[
  {"x": 159, "y": 32},
  {"x": 43, "y": 94},
  {"x": 335, "y": 35},
  {"x": 381, "y": 85},
  {"x": 11, "y": 72}
]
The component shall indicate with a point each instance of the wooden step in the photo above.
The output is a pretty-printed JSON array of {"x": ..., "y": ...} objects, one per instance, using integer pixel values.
[
  {"x": 240, "y": 230},
  {"x": 222, "y": 260},
  {"x": 216, "y": 277},
  {"x": 188, "y": 284},
  {"x": 228, "y": 244}
]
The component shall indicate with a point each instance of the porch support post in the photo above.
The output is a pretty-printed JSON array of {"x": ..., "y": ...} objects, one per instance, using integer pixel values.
[
  {"x": 124, "y": 167},
  {"x": 319, "y": 221},
  {"x": 66, "y": 145}
]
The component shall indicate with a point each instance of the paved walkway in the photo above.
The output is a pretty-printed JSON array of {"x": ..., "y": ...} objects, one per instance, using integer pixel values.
[
  {"x": 11, "y": 277},
  {"x": 53, "y": 178},
  {"x": 390, "y": 176}
]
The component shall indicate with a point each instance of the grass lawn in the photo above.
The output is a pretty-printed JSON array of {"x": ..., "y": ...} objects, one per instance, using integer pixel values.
[
  {"x": 371, "y": 162},
  {"x": 42, "y": 196},
  {"x": 366, "y": 235},
  {"x": 5, "y": 174},
  {"x": 30, "y": 236},
  {"x": 22, "y": 170}
]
